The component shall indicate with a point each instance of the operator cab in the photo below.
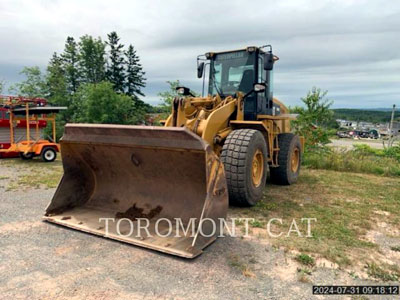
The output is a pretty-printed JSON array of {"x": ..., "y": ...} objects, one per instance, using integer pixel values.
[{"x": 238, "y": 71}]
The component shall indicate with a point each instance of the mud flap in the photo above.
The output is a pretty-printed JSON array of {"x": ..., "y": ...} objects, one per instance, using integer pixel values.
[{"x": 121, "y": 179}]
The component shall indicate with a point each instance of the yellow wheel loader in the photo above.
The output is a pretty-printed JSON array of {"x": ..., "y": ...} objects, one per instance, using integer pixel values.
[{"x": 168, "y": 188}]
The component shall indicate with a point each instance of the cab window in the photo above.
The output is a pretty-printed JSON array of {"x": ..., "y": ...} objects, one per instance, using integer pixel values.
[{"x": 262, "y": 74}]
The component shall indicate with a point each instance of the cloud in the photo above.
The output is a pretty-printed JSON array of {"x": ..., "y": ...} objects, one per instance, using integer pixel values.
[{"x": 347, "y": 47}]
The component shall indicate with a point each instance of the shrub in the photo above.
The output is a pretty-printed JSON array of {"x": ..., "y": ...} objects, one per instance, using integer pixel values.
[
  {"x": 305, "y": 260},
  {"x": 99, "y": 103},
  {"x": 313, "y": 119}
]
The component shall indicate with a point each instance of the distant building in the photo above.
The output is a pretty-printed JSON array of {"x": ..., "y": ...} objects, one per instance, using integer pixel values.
[
  {"x": 365, "y": 126},
  {"x": 384, "y": 129},
  {"x": 396, "y": 128},
  {"x": 347, "y": 124}
]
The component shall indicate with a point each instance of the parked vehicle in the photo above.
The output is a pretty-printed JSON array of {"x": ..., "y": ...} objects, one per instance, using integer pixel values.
[
  {"x": 19, "y": 127},
  {"x": 30, "y": 112},
  {"x": 210, "y": 147},
  {"x": 343, "y": 134}
]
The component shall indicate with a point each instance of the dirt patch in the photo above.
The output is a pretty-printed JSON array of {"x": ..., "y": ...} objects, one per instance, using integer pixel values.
[
  {"x": 325, "y": 263},
  {"x": 22, "y": 226},
  {"x": 43, "y": 284},
  {"x": 382, "y": 213},
  {"x": 64, "y": 250},
  {"x": 286, "y": 271}
]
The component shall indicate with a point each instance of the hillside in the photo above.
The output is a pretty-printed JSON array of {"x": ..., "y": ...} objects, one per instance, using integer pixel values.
[{"x": 375, "y": 116}]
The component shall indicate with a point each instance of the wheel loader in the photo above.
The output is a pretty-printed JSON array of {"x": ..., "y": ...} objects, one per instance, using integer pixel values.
[{"x": 212, "y": 151}]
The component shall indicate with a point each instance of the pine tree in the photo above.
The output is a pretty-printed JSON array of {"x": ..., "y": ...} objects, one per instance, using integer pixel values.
[
  {"x": 56, "y": 82},
  {"x": 115, "y": 70},
  {"x": 92, "y": 59},
  {"x": 135, "y": 79},
  {"x": 70, "y": 59},
  {"x": 57, "y": 92}
]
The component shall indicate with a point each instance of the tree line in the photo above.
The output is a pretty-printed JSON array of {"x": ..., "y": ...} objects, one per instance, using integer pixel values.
[
  {"x": 373, "y": 116},
  {"x": 99, "y": 81}
]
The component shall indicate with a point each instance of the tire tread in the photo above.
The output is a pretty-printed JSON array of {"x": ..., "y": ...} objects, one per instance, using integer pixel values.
[
  {"x": 233, "y": 156},
  {"x": 280, "y": 175}
]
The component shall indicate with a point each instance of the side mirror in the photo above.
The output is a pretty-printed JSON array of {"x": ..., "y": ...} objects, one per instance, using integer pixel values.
[
  {"x": 259, "y": 87},
  {"x": 268, "y": 61},
  {"x": 200, "y": 69}
]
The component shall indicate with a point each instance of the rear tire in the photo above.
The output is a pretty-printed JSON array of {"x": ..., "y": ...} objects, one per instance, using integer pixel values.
[
  {"x": 26, "y": 156},
  {"x": 289, "y": 159},
  {"x": 244, "y": 156},
  {"x": 48, "y": 154}
]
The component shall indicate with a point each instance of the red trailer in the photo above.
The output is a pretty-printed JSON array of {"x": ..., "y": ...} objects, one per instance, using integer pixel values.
[{"x": 19, "y": 125}]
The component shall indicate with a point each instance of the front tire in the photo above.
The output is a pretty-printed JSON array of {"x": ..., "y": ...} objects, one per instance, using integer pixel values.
[
  {"x": 289, "y": 159},
  {"x": 244, "y": 156},
  {"x": 48, "y": 154}
]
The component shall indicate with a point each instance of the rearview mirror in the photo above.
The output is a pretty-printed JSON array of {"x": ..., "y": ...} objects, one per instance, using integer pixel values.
[
  {"x": 268, "y": 61},
  {"x": 259, "y": 87},
  {"x": 200, "y": 69}
]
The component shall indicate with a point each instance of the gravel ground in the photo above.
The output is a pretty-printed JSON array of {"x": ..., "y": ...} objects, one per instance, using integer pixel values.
[{"x": 40, "y": 260}]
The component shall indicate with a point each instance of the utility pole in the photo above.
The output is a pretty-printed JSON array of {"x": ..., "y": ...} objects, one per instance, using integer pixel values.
[
  {"x": 391, "y": 135},
  {"x": 391, "y": 120}
]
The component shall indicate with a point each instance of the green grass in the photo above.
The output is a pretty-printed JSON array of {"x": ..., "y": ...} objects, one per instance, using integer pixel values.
[
  {"x": 363, "y": 159},
  {"x": 242, "y": 264},
  {"x": 303, "y": 275},
  {"x": 395, "y": 248},
  {"x": 344, "y": 205},
  {"x": 47, "y": 180},
  {"x": 32, "y": 173},
  {"x": 304, "y": 271},
  {"x": 256, "y": 224},
  {"x": 305, "y": 260},
  {"x": 377, "y": 272}
]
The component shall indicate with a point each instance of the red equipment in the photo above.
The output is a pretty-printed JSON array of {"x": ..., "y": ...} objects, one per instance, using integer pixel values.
[{"x": 20, "y": 125}]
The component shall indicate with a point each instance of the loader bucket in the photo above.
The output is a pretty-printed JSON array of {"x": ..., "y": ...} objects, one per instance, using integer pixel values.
[{"x": 161, "y": 188}]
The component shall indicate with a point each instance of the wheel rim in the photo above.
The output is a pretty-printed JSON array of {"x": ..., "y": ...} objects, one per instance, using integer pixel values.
[
  {"x": 49, "y": 155},
  {"x": 257, "y": 171},
  {"x": 295, "y": 160}
]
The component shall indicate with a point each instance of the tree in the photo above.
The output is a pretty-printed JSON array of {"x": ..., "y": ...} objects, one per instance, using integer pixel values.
[
  {"x": 135, "y": 79},
  {"x": 168, "y": 96},
  {"x": 57, "y": 94},
  {"x": 314, "y": 118},
  {"x": 71, "y": 80},
  {"x": 70, "y": 59},
  {"x": 92, "y": 59},
  {"x": 1, "y": 86},
  {"x": 115, "y": 70},
  {"x": 99, "y": 103},
  {"x": 33, "y": 86},
  {"x": 56, "y": 83}
]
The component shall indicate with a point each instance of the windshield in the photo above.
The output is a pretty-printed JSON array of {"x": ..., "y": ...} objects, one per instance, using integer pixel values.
[{"x": 232, "y": 72}]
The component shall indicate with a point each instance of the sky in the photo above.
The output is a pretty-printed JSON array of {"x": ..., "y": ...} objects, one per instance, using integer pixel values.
[{"x": 348, "y": 47}]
